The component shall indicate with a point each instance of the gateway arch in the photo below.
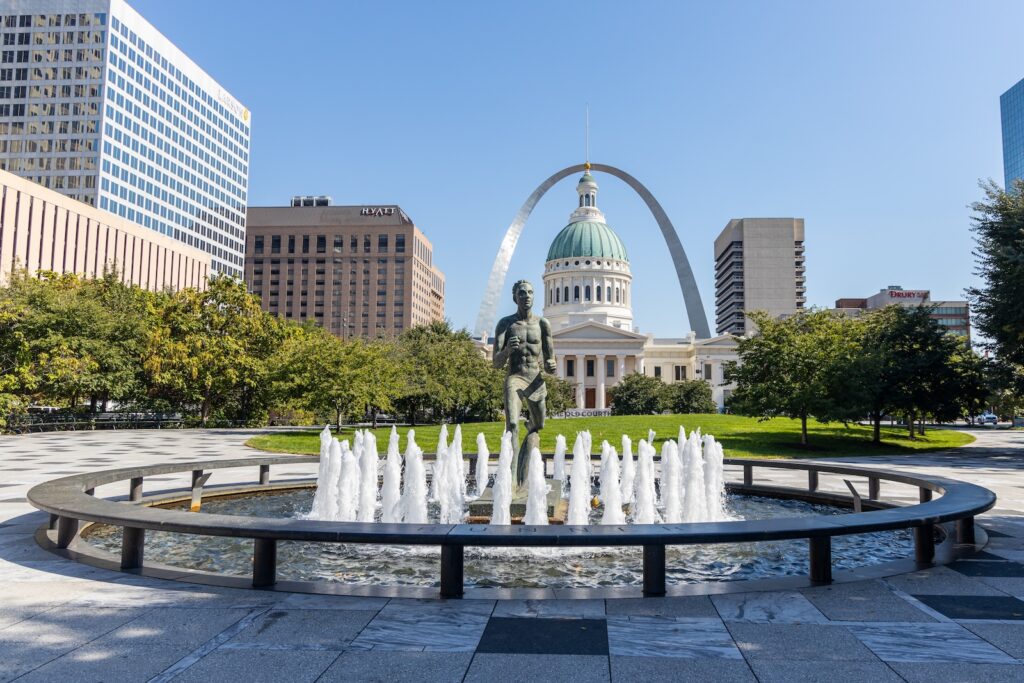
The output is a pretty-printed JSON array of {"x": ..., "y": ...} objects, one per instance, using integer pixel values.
[{"x": 687, "y": 284}]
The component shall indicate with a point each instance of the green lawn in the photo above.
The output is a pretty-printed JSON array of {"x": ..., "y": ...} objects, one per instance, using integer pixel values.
[{"x": 741, "y": 436}]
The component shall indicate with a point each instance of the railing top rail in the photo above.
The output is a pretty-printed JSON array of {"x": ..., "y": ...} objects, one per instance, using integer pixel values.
[{"x": 66, "y": 497}]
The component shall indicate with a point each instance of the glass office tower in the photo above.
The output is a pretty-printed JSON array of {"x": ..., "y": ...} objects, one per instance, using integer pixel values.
[
  {"x": 1011, "y": 108},
  {"x": 97, "y": 104}
]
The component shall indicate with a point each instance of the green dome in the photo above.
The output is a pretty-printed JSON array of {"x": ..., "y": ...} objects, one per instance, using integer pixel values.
[{"x": 587, "y": 239}]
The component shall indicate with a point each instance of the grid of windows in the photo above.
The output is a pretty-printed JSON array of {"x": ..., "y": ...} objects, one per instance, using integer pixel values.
[
  {"x": 97, "y": 106},
  {"x": 1011, "y": 109}
]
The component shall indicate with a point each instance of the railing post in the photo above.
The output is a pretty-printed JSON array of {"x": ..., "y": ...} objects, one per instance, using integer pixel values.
[
  {"x": 133, "y": 544},
  {"x": 654, "y": 570},
  {"x": 135, "y": 490},
  {"x": 874, "y": 486},
  {"x": 924, "y": 543},
  {"x": 198, "y": 481},
  {"x": 264, "y": 475},
  {"x": 965, "y": 531},
  {"x": 264, "y": 562},
  {"x": 812, "y": 480},
  {"x": 925, "y": 494},
  {"x": 452, "y": 578},
  {"x": 748, "y": 475},
  {"x": 820, "y": 557},
  {"x": 52, "y": 524},
  {"x": 67, "y": 529}
]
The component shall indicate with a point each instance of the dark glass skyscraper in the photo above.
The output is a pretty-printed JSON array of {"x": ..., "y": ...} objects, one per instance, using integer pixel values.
[{"x": 1011, "y": 108}]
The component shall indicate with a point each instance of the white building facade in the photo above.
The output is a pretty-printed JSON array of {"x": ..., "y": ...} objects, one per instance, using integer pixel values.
[
  {"x": 588, "y": 301},
  {"x": 97, "y": 104}
]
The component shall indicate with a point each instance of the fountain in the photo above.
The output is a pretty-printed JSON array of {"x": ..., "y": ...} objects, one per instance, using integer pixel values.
[{"x": 690, "y": 480}]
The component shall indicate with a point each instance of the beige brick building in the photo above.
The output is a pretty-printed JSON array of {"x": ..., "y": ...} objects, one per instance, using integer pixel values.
[
  {"x": 41, "y": 229},
  {"x": 358, "y": 271}
]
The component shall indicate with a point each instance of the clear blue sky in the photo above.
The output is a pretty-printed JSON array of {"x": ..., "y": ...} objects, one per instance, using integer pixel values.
[{"x": 874, "y": 121}]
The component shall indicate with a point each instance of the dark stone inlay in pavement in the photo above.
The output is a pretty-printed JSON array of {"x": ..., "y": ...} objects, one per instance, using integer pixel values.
[
  {"x": 984, "y": 555},
  {"x": 975, "y": 606},
  {"x": 996, "y": 534},
  {"x": 511, "y": 635},
  {"x": 999, "y": 567}
]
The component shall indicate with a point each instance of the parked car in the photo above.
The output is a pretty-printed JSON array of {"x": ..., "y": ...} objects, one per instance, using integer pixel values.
[{"x": 987, "y": 419}]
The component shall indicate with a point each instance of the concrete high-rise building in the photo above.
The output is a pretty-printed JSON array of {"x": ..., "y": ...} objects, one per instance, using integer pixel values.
[
  {"x": 954, "y": 316},
  {"x": 759, "y": 266},
  {"x": 358, "y": 271},
  {"x": 1011, "y": 111},
  {"x": 41, "y": 229},
  {"x": 98, "y": 105}
]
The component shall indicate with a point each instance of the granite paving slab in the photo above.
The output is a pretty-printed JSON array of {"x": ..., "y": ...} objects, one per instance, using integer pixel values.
[
  {"x": 927, "y": 643},
  {"x": 398, "y": 667},
  {"x": 959, "y": 672},
  {"x": 333, "y": 629},
  {"x": 656, "y": 669},
  {"x": 816, "y": 642},
  {"x": 173, "y": 626},
  {"x": 515, "y": 668},
  {"x": 425, "y": 627},
  {"x": 1000, "y": 568},
  {"x": 940, "y": 581},
  {"x": 862, "y": 601},
  {"x": 776, "y": 607},
  {"x": 782, "y": 671},
  {"x": 667, "y": 637},
  {"x": 107, "y": 663},
  {"x": 69, "y": 627},
  {"x": 975, "y": 606},
  {"x": 258, "y": 666},
  {"x": 19, "y": 658},
  {"x": 564, "y": 609},
  {"x": 698, "y": 606},
  {"x": 1008, "y": 637},
  {"x": 513, "y": 635}
]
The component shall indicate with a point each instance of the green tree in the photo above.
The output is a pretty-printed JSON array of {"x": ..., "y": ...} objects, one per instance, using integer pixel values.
[
  {"x": 794, "y": 368},
  {"x": 210, "y": 351},
  {"x": 561, "y": 394},
  {"x": 910, "y": 366},
  {"x": 637, "y": 394},
  {"x": 688, "y": 396},
  {"x": 443, "y": 372},
  {"x": 998, "y": 304}
]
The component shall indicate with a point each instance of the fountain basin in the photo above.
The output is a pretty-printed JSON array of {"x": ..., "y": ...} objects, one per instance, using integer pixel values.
[{"x": 68, "y": 502}]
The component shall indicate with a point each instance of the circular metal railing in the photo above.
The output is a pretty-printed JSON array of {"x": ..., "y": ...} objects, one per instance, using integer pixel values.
[{"x": 70, "y": 500}]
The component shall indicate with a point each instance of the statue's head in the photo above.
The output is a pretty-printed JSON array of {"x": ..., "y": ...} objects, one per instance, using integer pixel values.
[{"x": 522, "y": 293}]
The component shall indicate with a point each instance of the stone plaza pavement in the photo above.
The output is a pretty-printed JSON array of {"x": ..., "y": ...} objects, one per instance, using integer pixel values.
[{"x": 65, "y": 621}]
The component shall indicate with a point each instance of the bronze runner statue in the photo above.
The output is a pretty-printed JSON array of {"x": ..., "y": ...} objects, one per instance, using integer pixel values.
[{"x": 523, "y": 342}]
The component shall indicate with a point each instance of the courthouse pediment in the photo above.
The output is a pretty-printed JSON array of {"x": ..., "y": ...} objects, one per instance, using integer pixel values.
[{"x": 588, "y": 331}]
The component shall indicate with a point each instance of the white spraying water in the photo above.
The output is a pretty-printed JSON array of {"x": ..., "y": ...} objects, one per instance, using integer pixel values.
[
  {"x": 321, "y": 509},
  {"x": 439, "y": 455},
  {"x": 348, "y": 491},
  {"x": 483, "y": 457},
  {"x": 455, "y": 451},
  {"x": 588, "y": 450},
  {"x": 691, "y": 490},
  {"x": 671, "y": 481},
  {"x": 559, "y": 464},
  {"x": 694, "y": 506},
  {"x": 714, "y": 476},
  {"x": 628, "y": 470},
  {"x": 643, "y": 509},
  {"x": 579, "y": 493},
  {"x": 368, "y": 466},
  {"x": 391, "y": 494},
  {"x": 612, "y": 498},
  {"x": 537, "y": 499},
  {"x": 414, "y": 493},
  {"x": 501, "y": 508}
]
